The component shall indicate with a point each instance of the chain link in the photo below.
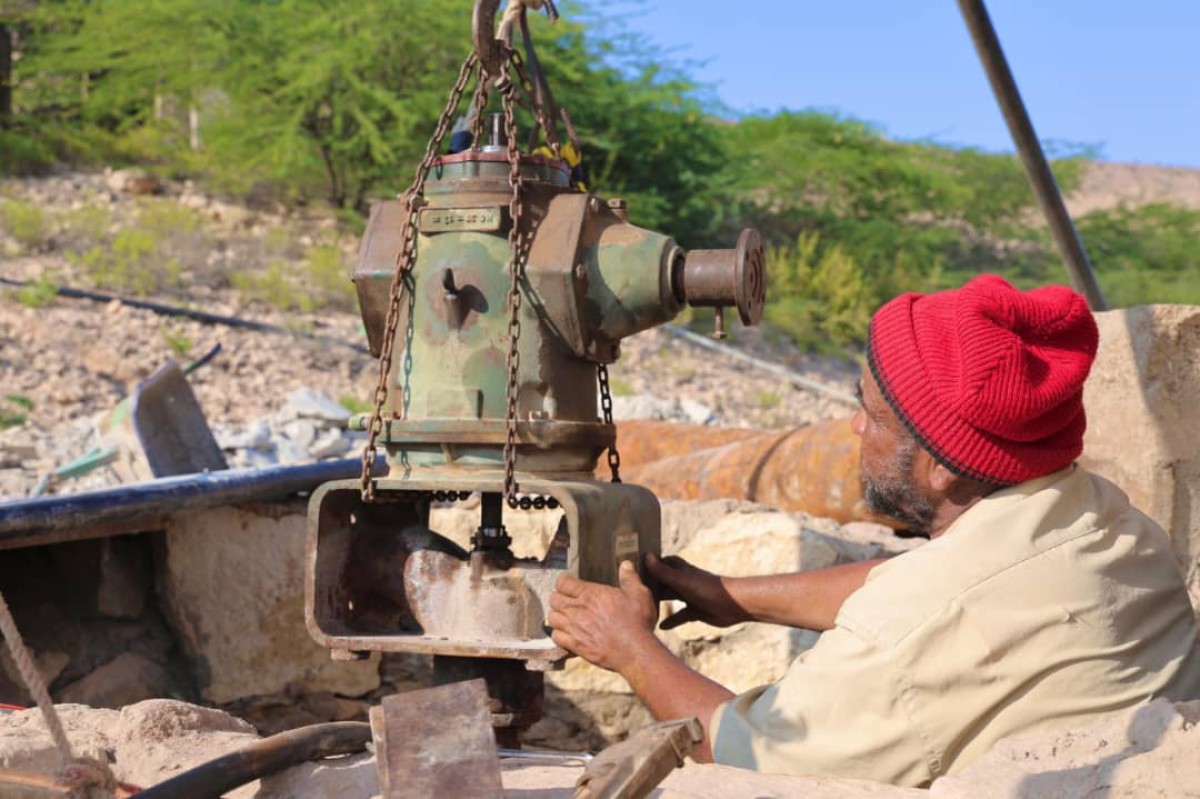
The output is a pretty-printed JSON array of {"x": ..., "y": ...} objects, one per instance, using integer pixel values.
[
  {"x": 516, "y": 273},
  {"x": 614, "y": 457},
  {"x": 480, "y": 101},
  {"x": 538, "y": 112},
  {"x": 414, "y": 199}
]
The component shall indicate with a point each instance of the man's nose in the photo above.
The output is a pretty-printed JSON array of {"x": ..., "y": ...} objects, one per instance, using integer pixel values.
[{"x": 858, "y": 422}]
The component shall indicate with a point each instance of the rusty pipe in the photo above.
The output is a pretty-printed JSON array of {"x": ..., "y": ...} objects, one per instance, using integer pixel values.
[
  {"x": 717, "y": 278},
  {"x": 811, "y": 469}
]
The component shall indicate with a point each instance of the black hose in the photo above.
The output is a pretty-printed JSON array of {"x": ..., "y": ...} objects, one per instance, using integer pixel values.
[
  {"x": 262, "y": 759},
  {"x": 188, "y": 313}
]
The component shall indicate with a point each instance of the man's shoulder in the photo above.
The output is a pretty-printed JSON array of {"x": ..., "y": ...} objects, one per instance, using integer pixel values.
[{"x": 998, "y": 552}]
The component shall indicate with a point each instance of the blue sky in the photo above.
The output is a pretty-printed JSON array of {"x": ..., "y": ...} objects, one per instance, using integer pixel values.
[{"x": 1121, "y": 75}]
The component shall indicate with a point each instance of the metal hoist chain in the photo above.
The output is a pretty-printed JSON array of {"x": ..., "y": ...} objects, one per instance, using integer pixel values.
[
  {"x": 614, "y": 457},
  {"x": 414, "y": 199},
  {"x": 537, "y": 110},
  {"x": 516, "y": 271}
]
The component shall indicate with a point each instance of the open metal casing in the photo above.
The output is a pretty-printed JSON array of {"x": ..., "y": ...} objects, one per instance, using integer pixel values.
[{"x": 357, "y": 605}]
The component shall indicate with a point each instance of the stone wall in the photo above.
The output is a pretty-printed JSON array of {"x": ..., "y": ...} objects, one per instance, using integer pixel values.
[
  {"x": 232, "y": 583},
  {"x": 1143, "y": 405}
]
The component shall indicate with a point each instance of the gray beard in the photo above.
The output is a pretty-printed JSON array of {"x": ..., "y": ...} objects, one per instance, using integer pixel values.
[{"x": 896, "y": 496}]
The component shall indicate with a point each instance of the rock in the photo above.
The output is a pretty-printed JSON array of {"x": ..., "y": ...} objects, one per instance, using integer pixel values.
[
  {"x": 26, "y": 745},
  {"x": 330, "y": 444},
  {"x": 696, "y": 412},
  {"x": 1147, "y": 751},
  {"x": 50, "y": 663},
  {"x": 154, "y": 740},
  {"x": 648, "y": 406},
  {"x": 288, "y": 451},
  {"x": 232, "y": 583},
  {"x": 307, "y": 403},
  {"x": 256, "y": 435},
  {"x": 125, "y": 575},
  {"x": 1143, "y": 400},
  {"x": 127, "y": 679},
  {"x": 702, "y": 781},
  {"x": 132, "y": 181},
  {"x": 300, "y": 433},
  {"x": 347, "y": 777},
  {"x": 751, "y": 541}
]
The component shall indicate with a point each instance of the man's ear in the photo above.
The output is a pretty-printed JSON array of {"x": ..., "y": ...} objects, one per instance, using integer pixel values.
[{"x": 937, "y": 476}]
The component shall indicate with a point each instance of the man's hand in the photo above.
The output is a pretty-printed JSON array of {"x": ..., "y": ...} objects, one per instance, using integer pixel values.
[
  {"x": 704, "y": 592},
  {"x": 609, "y": 627}
]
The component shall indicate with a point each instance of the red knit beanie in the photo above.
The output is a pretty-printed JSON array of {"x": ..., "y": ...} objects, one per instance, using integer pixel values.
[{"x": 988, "y": 378}]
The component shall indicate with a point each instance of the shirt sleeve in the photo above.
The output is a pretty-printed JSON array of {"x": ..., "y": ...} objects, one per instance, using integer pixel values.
[{"x": 841, "y": 710}]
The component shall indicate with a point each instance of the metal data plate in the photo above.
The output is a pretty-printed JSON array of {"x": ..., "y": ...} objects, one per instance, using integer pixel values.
[{"x": 445, "y": 220}]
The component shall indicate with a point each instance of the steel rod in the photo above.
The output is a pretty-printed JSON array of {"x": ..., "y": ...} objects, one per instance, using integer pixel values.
[{"x": 1037, "y": 169}]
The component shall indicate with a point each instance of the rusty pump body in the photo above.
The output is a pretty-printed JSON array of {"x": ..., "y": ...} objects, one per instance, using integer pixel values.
[{"x": 492, "y": 399}]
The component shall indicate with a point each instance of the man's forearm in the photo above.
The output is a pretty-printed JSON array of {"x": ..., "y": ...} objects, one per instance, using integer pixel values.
[
  {"x": 808, "y": 599},
  {"x": 672, "y": 690}
]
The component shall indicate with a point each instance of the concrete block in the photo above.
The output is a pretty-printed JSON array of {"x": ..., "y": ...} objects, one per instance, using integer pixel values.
[
  {"x": 1143, "y": 406},
  {"x": 232, "y": 585}
]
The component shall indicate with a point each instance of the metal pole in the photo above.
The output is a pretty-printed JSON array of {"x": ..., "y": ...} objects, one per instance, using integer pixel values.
[{"x": 1066, "y": 237}]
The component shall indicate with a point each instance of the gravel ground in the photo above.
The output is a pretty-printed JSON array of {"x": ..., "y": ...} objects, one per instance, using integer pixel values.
[{"x": 75, "y": 359}]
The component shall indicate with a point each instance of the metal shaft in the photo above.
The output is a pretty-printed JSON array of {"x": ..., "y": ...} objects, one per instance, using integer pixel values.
[{"x": 1037, "y": 169}]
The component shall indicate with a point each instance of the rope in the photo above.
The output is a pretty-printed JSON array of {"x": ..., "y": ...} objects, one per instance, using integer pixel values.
[
  {"x": 77, "y": 773},
  {"x": 33, "y": 681}
]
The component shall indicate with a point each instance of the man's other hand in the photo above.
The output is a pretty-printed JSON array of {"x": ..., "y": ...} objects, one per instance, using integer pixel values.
[
  {"x": 705, "y": 593},
  {"x": 605, "y": 626}
]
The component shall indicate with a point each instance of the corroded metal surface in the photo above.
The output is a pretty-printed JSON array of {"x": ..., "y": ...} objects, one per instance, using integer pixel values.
[
  {"x": 632, "y": 768},
  {"x": 502, "y": 289},
  {"x": 737, "y": 277},
  {"x": 436, "y": 742},
  {"x": 378, "y": 578},
  {"x": 514, "y": 692},
  {"x": 591, "y": 279},
  {"x": 643, "y": 441},
  {"x": 810, "y": 469},
  {"x": 452, "y": 597}
]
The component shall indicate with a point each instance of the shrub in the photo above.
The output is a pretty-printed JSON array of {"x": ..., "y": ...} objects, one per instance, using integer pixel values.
[
  {"x": 329, "y": 278},
  {"x": 177, "y": 340},
  {"x": 37, "y": 294},
  {"x": 25, "y": 222},
  {"x": 132, "y": 263},
  {"x": 14, "y": 410},
  {"x": 272, "y": 287}
]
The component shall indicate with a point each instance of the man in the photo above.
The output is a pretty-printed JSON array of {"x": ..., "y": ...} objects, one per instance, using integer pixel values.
[{"x": 1042, "y": 599}]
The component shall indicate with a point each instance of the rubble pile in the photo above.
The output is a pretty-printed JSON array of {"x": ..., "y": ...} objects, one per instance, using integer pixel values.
[{"x": 1147, "y": 751}]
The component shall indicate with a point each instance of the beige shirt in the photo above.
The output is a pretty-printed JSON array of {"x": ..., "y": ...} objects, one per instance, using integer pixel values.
[{"x": 1044, "y": 604}]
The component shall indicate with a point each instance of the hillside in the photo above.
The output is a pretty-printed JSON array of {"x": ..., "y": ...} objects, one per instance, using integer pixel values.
[{"x": 63, "y": 361}]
